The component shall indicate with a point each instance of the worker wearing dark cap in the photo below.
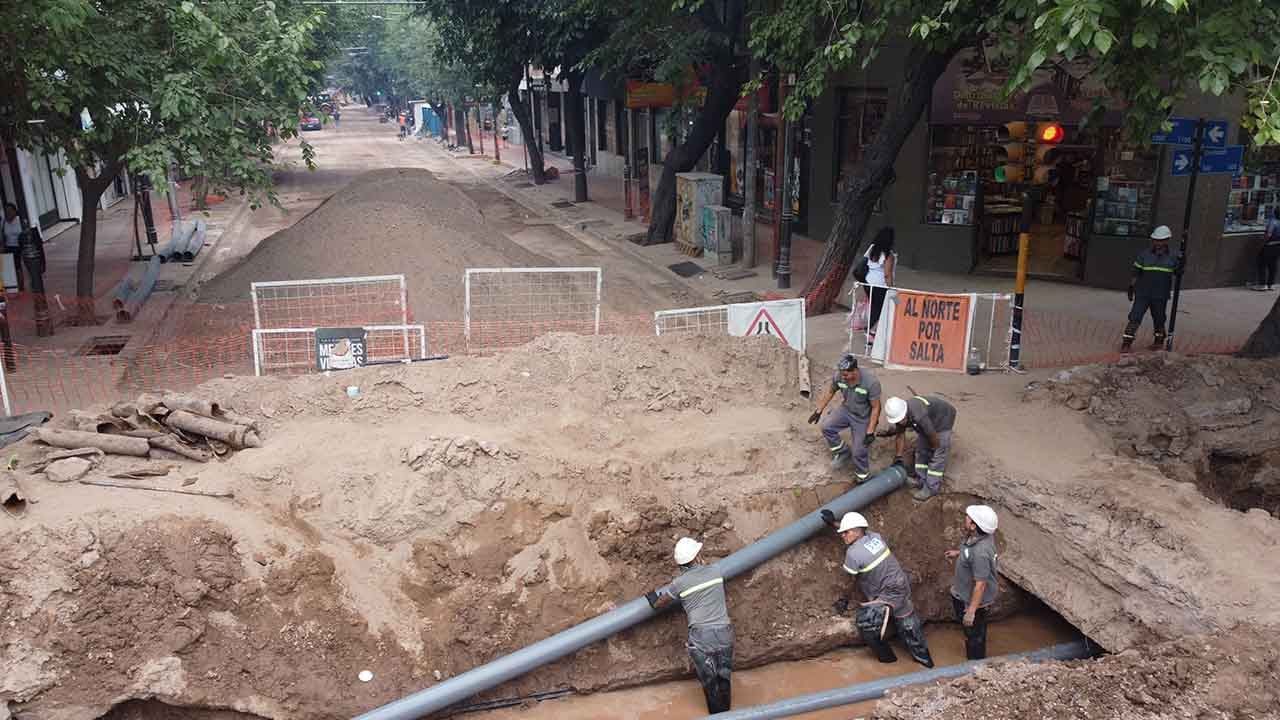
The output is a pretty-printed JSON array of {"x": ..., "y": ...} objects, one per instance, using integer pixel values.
[{"x": 859, "y": 411}]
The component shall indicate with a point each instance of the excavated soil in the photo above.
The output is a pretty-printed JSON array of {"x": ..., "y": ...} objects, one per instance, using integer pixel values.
[
  {"x": 455, "y": 511},
  {"x": 428, "y": 229},
  {"x": 448, "y": 514}
]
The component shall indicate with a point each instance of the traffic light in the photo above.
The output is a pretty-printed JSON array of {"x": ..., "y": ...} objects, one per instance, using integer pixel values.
[
  {"x": 1048, "y": 152},
  {"x": 1010, "y": 152}
]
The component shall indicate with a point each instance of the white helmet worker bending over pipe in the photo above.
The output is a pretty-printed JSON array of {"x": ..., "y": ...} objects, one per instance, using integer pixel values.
[
  {"x": 932, "y": 418},
  {"x": 700, "y": 592}
]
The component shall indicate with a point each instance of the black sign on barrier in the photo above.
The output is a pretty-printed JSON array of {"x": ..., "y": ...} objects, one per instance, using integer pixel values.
[{"x": 341, "y": 348}]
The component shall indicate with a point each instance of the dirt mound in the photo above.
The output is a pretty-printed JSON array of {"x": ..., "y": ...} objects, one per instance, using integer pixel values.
[
  {"x": 430, "y": 231},
  {"x": 1209, "y": 420},
  {"x": 1194, "y": 678},
  {"x": 449, "y": 513}
]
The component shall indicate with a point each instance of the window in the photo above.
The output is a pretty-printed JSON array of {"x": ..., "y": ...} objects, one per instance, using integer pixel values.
[{"x": 861, "y": 112}]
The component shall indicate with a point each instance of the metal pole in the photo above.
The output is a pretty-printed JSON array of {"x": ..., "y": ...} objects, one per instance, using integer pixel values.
[
  {"x": 1020, "y": 285},
  {"x": 749, "y": 177},
  {"x": 1196, "y": 153},
  {"x": 862, "y": 692},
  {"x": 776, "y": 190},
  {"x": 508, "y": 667},
  {"x": 784, "y": 230}
]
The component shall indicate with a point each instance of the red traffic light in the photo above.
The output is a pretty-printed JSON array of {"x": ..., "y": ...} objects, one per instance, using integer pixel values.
[{"x": 1050, "y": 133}]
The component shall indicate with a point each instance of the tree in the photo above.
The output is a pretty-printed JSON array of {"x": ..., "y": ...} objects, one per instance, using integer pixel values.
[
  {"x": 1150, "y": 52},
  {"x": 684, "y": 42},
  {"x": 203, "y": 85}
]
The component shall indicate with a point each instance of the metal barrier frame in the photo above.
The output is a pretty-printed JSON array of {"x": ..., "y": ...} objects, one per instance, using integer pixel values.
[
  {"x": 466, "y": 284},
  {"x": 660, "y": 316},
  {"x": 404, "y": 296},
  {"x": 258, "y": 333}
]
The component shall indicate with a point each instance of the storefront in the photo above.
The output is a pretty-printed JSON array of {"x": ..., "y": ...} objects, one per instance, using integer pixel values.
[
  {"x": 768, "y": 183},
  {"x": 957, "y": 199}
]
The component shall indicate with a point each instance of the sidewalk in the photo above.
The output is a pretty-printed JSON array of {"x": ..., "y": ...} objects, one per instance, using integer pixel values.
[{"x": 1065, "y": 324}]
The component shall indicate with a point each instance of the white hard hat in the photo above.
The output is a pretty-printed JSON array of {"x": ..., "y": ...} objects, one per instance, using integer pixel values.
[
  {"x": 895, "y": 409},
  {"x": 686, "y": 550},
  {"x": 982, "y": 516},
  {"x": 1161, "y": 233},
  {"x": 852, "y": 520}
]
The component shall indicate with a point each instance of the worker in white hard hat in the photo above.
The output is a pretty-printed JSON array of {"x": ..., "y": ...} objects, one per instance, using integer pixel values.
[
  {"x": 1149, "y": 288},
  {"x": 885, "y": 586},
  {"x": 975, "y": 587},
  {"x": 933, "y": 419},
  {"x": 700, "y": 591},
  {"x": 859, "y": 412}
]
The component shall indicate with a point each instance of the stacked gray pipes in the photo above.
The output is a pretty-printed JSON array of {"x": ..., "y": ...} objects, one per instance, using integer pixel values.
[{"x": 459, "y": 688}]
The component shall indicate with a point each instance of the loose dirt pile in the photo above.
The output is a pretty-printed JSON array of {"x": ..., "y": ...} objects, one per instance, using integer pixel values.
[
  {"x": 450, "y": 513},
  {"x": 1198, "y": 678},
  {"x": 423, "y": 227}
]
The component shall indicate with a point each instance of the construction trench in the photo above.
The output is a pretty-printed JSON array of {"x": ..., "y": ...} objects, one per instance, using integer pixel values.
[{"x": 453, "y": 513}]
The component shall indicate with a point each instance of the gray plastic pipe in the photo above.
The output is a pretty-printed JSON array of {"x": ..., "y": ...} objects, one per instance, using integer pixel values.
[
  {"x": 876, "y": 689},
  {"x": 508, "y": 667}
]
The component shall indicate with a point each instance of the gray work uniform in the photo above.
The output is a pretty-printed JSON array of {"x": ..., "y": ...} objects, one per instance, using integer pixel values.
[
  {"x": 854, "y": 414},
  {"x": 879, "y": 575},
  {"x": 977, "y": 561},
  {"x": 700, "y": 591},
  {"x": 1153, "y": 281},
  {"x": 934, "y": 415}
]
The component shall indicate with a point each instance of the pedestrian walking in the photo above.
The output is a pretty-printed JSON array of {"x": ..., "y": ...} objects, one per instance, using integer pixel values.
[
  {"x": 700, "y": 591},
  {"x": 884, "y": 585},
  {"x": 1269, "y": 255},
  {"x": 859, "y": 412},
  {"x": 1149, "y": 288},
  {"x": 975, "y": 586},
  {"x": 13, "y": 237},
  {"x": 882, "y": 260},
  {"x": 404, "y": 127},
  {"x": 337, "y": 117},
  {"x": 933, "y": 419}
]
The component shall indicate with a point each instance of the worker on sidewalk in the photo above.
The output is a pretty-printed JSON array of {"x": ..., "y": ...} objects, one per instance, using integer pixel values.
[
  {"x": 859, "y": 413},
  {"x": 975, "y": 586},
  {"x": 1150, "y": 286},
  {"x": 700, "y": 591},
  {"x": 885, "y": 586},
  {"x": 933, "y": 419}
]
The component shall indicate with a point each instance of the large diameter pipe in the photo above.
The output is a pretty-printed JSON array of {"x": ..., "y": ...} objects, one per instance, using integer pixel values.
[
  {"x": 509, "y": 667},
  {"x": 876, "y": 689}
]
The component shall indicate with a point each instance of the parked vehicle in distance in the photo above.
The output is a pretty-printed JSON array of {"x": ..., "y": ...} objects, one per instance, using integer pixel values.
[{"x": 311, "y": 122}]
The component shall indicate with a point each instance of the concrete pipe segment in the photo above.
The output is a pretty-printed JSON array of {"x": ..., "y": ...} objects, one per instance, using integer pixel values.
[
  {"x": 876, "y": 689},
  {"x": 459, "y": 688}
]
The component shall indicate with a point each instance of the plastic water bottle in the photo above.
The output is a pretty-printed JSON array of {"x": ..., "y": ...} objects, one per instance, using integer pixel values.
[{"x": 974, "y": 366}]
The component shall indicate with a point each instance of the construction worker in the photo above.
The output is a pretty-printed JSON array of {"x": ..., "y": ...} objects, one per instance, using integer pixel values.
[
  {"x": 886, "y": 588},
  {"x": 860, "y": 412},
  {"x": 932, "y": 418},
  {"x": 1149, "y": 287},
  {"x": 975, "y": 586},
  {"x": 700, "y": 591}
]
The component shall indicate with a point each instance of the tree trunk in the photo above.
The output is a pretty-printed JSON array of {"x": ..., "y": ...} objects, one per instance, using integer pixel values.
[
  {"x": 723, "y": 91},
  {"x": 874, "y": 175},
  {"x": 91, "y": 189},
  {"x": 577, "y": 135},
  {"x": 1265, "y": 340},
  {"x": 525, "y": 119}
]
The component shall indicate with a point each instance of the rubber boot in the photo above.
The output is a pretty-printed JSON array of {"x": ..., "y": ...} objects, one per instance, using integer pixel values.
[
  {"x": 1158, "y": 342},
  {"x": 1126, "y": 345},
  {"x": 915, "y": 482},
  {"x": 923, "y": 494},
  {"x": 911, "y": 630},
  {"x": 871, "y": 622},
  {"x": 842, "y": 458}
]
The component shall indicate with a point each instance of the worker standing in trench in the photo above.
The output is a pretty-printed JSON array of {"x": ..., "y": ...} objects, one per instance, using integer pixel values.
[
  {"x": 860, "y": 412},
  {"x": 700, "y": 591},
  {"x": 933, "y": 419},
  {"x": 886, "y": 587},
  {"x": 974, "y": 589}
]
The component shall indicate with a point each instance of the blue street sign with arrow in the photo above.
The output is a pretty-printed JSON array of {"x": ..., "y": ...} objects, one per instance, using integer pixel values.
[
  {"x": 1229, "y": 160},
  {"x": 1183, "y": 132}
]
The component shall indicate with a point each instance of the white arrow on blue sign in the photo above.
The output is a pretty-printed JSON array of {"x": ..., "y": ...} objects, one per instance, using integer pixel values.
[
  {"x": 1182, "y": 131},
  {"x": 1228, "y": 161}
]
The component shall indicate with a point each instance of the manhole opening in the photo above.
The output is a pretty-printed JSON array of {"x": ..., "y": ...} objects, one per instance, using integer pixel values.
[
  {"x": 562, "y": 204},
  {"x": 105, "y": 345}
]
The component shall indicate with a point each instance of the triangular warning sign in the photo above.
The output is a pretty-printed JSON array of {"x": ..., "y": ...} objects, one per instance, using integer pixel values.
[{"x": 764, "y": 324}]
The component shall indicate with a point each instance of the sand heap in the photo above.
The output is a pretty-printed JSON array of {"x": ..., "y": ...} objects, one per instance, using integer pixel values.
[{"x": 398, "y": 220}]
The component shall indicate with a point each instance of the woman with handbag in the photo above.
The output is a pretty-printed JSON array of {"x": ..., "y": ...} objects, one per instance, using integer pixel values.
[{"x": 875, "y": 271}]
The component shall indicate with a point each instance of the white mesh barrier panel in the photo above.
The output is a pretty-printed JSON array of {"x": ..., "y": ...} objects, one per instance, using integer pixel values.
[{"x": 505, "y": 307}]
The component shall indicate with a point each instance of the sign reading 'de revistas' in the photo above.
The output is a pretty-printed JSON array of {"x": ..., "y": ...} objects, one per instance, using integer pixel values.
[{"x": 930, "y": 330}]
